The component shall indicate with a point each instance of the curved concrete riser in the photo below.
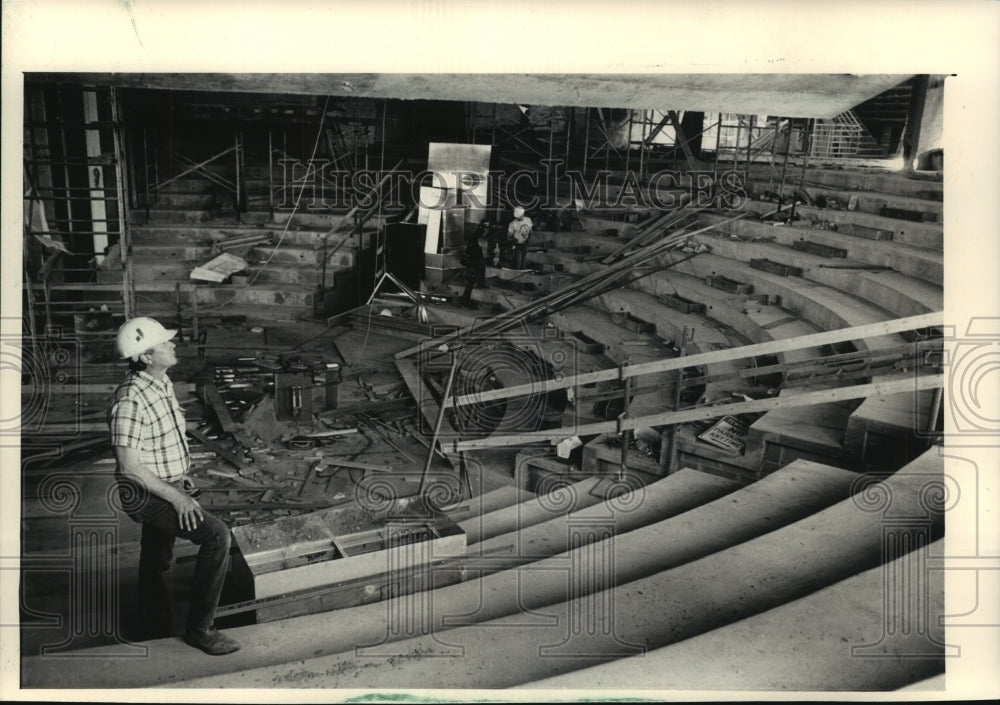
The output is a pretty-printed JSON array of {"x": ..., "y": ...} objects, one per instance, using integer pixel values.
[
  {"x": 835, "y": 639},
  {"x": 668, "y": 607}
]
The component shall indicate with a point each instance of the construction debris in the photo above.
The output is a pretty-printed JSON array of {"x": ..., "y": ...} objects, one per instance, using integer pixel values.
[{"x": 219, "y": 268}]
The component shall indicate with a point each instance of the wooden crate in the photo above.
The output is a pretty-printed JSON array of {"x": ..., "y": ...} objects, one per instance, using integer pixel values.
[
  {"x": 309, "y": 563},
  {"x": 679, "y": 303},
  {"x": 728, "y": 285},
  {"x": 817, "y": 249},
  {"x": 784, "y": 270}
]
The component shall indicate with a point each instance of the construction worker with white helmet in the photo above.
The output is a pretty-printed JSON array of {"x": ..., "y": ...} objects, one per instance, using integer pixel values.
[
  {"x": 148, "y": 437},
  {"x": 519, "y": 232}
]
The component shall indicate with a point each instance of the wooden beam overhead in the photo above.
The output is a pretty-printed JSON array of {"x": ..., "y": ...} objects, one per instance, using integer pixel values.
[{"x": 787, "y": 95}]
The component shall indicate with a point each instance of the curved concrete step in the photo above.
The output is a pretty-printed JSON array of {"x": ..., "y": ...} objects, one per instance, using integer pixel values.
[
  {"x": 620, "y": 343},
  {"x": 930, "y": 211},
  {"x": 756, "y": 322},
  {"x": 900, "y": 294},
  {"x": 640, "y": 550},
  {"x": 913, "y": 261},
  {"x": 890, "y": 290},
  {"x": 622, "y": 346},
  {"x": 670, "y": 324},
  {"x": 505, "y": 520},
  {"x": 804, "y": 645},
  {"x": 826, "y": 308},
  {"x": 893, "y": 182},
  {"x": 486, "y": 503},
  {"x": 687, "y": 502},
  {"x": 724, "y": 587},
  {"x": 928, "y": 236}
]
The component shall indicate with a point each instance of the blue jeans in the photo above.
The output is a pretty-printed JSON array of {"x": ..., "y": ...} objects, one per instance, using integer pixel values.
[{"x": 160, "y": 528}]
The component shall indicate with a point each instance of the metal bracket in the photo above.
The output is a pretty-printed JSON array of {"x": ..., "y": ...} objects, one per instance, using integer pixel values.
[{"x": 619, "y": 421}]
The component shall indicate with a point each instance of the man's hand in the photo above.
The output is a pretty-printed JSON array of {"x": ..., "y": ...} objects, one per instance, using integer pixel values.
[{"x": 189, "y": 512}]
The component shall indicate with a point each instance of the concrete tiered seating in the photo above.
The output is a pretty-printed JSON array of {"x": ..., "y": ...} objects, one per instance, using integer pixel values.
[
  {"x": 622, "y": 619},
  {"x": 707, "y": 516},
  {"x": 804, "y": 645}
]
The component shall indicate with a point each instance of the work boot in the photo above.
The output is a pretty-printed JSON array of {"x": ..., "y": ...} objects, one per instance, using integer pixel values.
[{"x": 211, "y": 641}]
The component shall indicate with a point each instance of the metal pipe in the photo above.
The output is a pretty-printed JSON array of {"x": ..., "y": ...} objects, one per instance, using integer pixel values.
[
  {"x": 625, "y": 436},
  {"x": 784, "y": 166},
  {"x": 628, "y": 140},
  {"x": 718, "y": 139},
  {"x": 642, "y": 148},
  {"x": 236, "y": 154},
  {"x": 736, "y": 143}
]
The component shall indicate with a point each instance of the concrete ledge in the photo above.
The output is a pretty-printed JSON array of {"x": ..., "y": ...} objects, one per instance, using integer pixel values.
[
  {"x": 923, "y": 264},
  {"x": 485, "y": 503},
  {"x": 884, "y": 181},
  {"x": 809, "y": 644},
  {"x": 826, "y": 308},
  {"x": 781, "y": 565},
  {"x": 528, "y": 513},
  {"x": 638, "y": 553},
  {"x": 928, "y": 236}
]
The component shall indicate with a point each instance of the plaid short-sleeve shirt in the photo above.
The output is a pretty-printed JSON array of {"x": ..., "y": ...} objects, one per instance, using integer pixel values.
[{"x": 144, "y": 414}]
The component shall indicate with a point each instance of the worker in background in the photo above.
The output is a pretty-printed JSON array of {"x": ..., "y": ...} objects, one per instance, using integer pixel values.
[
  {"x": 519, "y": 232},
  {"x": 474, "y": 261},
  {"x": 148, "y": 437}
]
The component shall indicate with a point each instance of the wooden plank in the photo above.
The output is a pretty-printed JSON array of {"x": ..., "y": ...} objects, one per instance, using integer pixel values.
[
  {"x": 180, "y": 388},
  {"x": 782, "y": 270},
  {"x": 817, "y": 249},
  {"x": 214, "y": 400},
  {"x": 212, "y": 445},
  {"x": 669, "y": 418},
  {"x": 352, "y": 464},
  {"x": 426, "y": 403},
  {"x": 709, "y": 358}
]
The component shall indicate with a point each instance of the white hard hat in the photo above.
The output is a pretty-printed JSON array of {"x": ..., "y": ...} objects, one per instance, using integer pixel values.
[
  {"x": 518, "y": 212},
  {"x": 137, "y": 335}
]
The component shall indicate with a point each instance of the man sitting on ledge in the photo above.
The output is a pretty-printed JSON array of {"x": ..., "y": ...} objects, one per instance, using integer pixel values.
[{"x": 148, "y": 438}]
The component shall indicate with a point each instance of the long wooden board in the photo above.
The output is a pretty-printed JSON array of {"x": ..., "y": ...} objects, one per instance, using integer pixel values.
[
  {"x": 769, "y": 348},
  {"x": 669, "y": 418},
  {"x": 426, "y": 403}
]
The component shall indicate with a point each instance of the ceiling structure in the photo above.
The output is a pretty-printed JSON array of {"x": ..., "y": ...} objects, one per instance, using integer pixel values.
[{"x": 786, "y": 95}]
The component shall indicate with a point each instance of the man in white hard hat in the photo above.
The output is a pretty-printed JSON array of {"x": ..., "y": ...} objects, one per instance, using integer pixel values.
[
  {"x": 148, "y": 437},
  {"x": 519, "y": 231}
]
